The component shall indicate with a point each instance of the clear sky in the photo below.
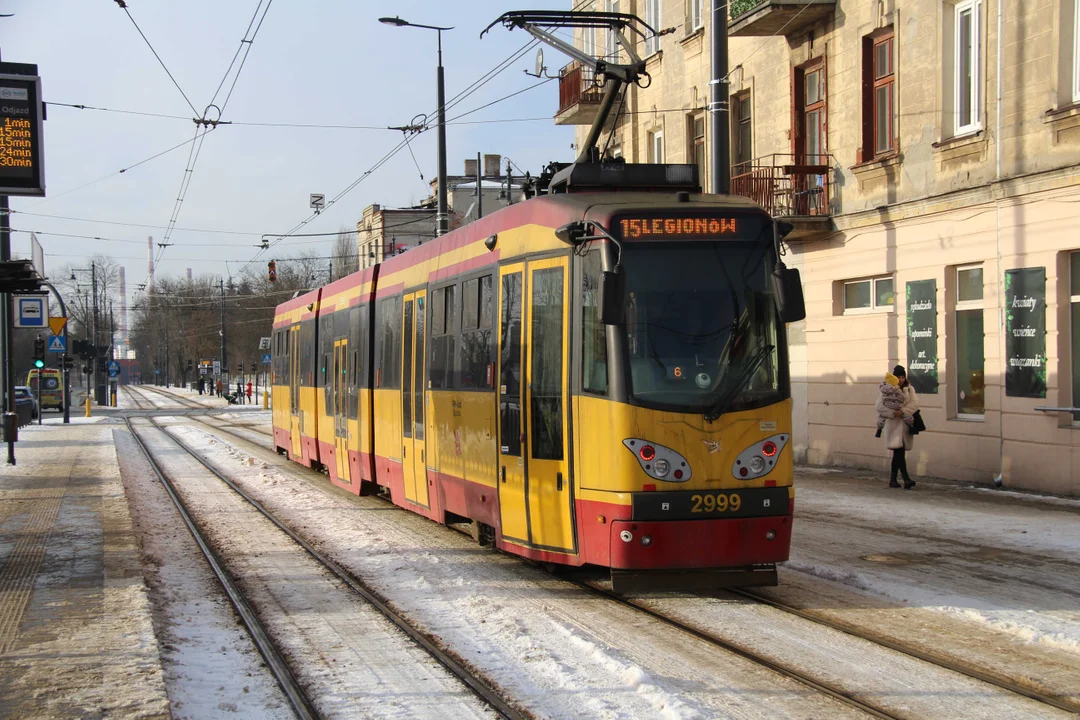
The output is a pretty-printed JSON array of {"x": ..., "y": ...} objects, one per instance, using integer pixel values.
[{"x": 317, "y": 62}]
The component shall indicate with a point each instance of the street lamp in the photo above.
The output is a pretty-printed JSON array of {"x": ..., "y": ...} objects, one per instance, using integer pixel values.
[{"x": 442, "y": 217}]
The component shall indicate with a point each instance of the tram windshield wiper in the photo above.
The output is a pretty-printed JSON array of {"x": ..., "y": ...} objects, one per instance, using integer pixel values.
[{"x": 752, "y": 363}]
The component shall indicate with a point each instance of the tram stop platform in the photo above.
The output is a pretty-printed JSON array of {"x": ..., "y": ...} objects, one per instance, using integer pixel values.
[{"x": 76, "y": 632}]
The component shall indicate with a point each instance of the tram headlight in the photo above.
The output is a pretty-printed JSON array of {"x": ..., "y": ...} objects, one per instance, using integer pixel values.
[
  {"x": 757, "y": 464},
  {"x": 659, "y": 461},
  {"x": 662, "y": 467},
  {"x": 761, "y": 458}
]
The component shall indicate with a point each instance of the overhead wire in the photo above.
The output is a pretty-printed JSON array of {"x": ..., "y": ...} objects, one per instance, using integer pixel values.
[{"x": 124, "y": 7}]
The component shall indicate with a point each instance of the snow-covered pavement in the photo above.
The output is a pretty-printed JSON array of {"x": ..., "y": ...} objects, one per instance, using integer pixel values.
[{"x": 982, "y": 579}]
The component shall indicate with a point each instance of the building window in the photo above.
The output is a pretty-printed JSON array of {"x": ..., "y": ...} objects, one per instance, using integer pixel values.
[
  {"x": 611, "y": 42},
  {"x": 869, "y": 295},
  {"x": 695, "y": 132},
  {"x": 879, "y": 88},
  {"x": 967, "y": 66},
  {"x": 1074, "y": 292},
  {"x": 652, "y": 19},
  {"x": 743, "y": 150},
  {"x": 809, "y": 119},
  {"x": 656, "y": 147},
  {"x": 695, "y": 18},
  {"x": 970, "y": 360}
]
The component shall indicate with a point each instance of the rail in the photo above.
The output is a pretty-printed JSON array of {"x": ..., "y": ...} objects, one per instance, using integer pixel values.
[
  {"x": 577, "y": 83},
  {"x": 1043, "y": 408},
  {"x": 786, "y": 185}
]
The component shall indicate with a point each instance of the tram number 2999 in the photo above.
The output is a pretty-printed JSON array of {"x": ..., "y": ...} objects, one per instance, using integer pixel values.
[{"x": 715, "y": 502}]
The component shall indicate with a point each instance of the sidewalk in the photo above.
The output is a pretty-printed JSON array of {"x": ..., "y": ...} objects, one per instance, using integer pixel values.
[{"x": 76, "y": 635}]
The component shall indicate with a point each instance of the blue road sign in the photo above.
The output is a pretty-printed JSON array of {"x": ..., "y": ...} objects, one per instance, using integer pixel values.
[
  {"x": 31, "y": 311},
  {"x": 57, "y": 344},
  {"x": 113, "y": 368},
  {"x": 266, "y": 359}
]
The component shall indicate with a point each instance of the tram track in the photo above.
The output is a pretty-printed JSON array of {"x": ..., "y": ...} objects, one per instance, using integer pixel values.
[
  {"x": 475, "y": 683},
  {"x": 847, "y": 696}
]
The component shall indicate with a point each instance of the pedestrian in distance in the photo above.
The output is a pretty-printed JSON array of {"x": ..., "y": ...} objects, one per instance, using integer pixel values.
[
  {"x": 202, "y": 385},
  {"x": 249, "y": 393},
  {"x": 240, "y": 392},
  {"x": 896, "y": 408},
  {"x": 220, "y": 388}
]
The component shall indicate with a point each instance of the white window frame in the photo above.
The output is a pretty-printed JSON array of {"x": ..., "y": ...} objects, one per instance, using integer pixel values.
[
  {"x": 975, "y": 8},
  {"x": 588, "y": 41},
  {"x": 874, "y": 306},
  {"x": 959, "y": 306},
  {"x": 656, "y": 147},
  {"x": 652, "y": 18},
  {"x": 697, "y": 14},
  {"x": 611, "y": 42},
  {"x": 1076, "y": 52}
]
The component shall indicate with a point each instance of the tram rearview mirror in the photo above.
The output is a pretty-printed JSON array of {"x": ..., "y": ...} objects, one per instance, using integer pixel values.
[
  {"x": 789, "y": 295},
  {"x": 611, "y": 298}
]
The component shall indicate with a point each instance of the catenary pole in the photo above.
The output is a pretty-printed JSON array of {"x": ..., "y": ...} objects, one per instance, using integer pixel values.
[{"x": 719, "y": 114}]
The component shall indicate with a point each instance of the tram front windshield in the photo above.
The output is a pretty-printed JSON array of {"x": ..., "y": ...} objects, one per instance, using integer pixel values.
[{"x": 702, "y": 325}]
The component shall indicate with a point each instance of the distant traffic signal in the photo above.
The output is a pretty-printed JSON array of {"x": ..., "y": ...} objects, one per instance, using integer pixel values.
[
  {"x": 271, "y": 271},
  {"x": 241, "y": 366}
]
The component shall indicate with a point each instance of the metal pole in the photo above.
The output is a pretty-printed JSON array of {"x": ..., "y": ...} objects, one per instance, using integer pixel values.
[
  {"x": 718, "y": 106},
  {"x": 94, "y": 332},
  {"x": 167, "y": 378},
  {"x": 509, "y": 183},
  {"x": 479, "y": 189},
  {"x": 223, "y": 356},
  {"x": 442, "y": 218},
  {"x": 63, "y": 358},
  {"x": 588, "y": 148},
  {"x": 7, "y": 317}
]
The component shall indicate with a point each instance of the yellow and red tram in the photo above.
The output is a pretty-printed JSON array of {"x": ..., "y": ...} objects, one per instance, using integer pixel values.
[{"x": 593, "y": 378}]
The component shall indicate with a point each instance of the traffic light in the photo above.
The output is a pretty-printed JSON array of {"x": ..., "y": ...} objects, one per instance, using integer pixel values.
[
  {"x": 271, "y": 271},
  {"x": 67, "y": 363},
  {"x": 39, "y": 352},
  {"x": 241, "y": 366}
]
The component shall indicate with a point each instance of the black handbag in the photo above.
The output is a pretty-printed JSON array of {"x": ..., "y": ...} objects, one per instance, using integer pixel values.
[{"x": 917, "y": 424}]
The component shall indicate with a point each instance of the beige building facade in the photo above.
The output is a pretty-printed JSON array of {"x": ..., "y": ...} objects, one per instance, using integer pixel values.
[{"x": 931, "y": 165}]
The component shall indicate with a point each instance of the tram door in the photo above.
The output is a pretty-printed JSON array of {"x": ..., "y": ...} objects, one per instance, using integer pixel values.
[
  {"x": 550, "y": 497},
  {"x": 341, "y": 408},
  {"x": 294, "y": 391},
  {"x": 413, "y": 460},
  {"x": 513, "y": 510}
]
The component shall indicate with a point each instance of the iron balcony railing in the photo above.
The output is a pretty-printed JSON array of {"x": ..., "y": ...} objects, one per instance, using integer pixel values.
[
  {"x": 577, "y": 84},
  {"x": 786, "y": 185}
]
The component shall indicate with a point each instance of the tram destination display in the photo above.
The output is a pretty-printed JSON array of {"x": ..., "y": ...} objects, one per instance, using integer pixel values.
[
  {"x": 22, "y": 169},
  {"x": 688, "y": 227},
  {"x": 1025, "y": 332}
]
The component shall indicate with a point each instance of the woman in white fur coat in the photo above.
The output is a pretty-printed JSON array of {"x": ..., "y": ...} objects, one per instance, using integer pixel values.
[{"x": 897, "y": 429}]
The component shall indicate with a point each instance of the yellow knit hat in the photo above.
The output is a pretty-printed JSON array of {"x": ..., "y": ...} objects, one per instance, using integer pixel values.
[{"x": 892, "y": 379}]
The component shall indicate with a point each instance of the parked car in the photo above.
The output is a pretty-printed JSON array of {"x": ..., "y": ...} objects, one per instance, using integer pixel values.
[{"x": 25, "y": 396}]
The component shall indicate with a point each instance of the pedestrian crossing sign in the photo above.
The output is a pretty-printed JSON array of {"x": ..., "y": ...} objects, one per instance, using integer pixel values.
[{"x": 57, "y": 344}]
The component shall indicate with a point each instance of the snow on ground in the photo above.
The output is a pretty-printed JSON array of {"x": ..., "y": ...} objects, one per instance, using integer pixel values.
[
  {"x": 559, "y": 651},
  {"x": 211, "y": 665},
  {"x": 351, "y": 661}
]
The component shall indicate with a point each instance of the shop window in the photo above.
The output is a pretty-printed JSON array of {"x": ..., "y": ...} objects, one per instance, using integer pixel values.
[
  {"x": 869, "y": 295},
  {"x": 970, "y": 341}
]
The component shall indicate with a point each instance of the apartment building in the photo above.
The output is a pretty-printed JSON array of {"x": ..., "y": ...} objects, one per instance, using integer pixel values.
[{"x": 927, "y": 152}]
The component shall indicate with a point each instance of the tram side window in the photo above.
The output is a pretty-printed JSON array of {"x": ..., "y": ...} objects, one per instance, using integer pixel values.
[
  {"x": 547, "y": 364},
  {"x": 593, "y": 332},
  {"x": 388, "y": 343},
  {"x": 443, "y": 327},
  {"x": 326, "y": 359},
  {"x": 510, "y": 367},
  {"x": 477, "y": 311},
  {"x": 307, "y": 353}
]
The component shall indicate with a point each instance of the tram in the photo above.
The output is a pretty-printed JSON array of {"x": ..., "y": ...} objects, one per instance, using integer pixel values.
[
  {"x": 595, "y": 376},
  {"x": 585, "y": 378}
]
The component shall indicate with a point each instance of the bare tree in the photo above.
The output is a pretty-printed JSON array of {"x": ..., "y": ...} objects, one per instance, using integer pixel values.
[{"x": 346, "y": 253}]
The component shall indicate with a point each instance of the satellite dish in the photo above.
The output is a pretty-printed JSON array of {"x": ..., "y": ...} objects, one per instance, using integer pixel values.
[{"x": 539, "y": 62}]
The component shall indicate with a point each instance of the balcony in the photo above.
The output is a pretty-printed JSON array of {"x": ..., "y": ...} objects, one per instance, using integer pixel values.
[
  {"x": 579, "y": 95},
  {"x": 772, "y": 17},
  {"x": 794, "y": 188}
]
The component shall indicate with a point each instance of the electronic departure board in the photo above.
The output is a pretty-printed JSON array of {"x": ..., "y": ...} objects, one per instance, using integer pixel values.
[{"x": 22, "y": 170}]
